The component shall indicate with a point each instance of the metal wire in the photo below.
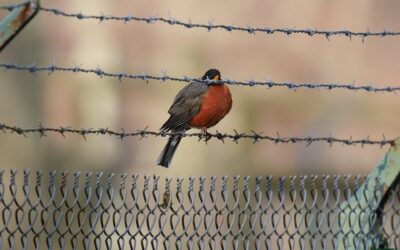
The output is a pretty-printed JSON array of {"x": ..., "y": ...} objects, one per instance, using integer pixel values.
[
  {"x": 236, "y": 137},
  {"x": 34, "y": 69},
  {"x": 210, "y": 26},
  {"x": 74, "y": 210}
]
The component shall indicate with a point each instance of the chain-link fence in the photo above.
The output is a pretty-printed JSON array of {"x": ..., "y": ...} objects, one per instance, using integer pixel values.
[{"x": 61, "y": 210}]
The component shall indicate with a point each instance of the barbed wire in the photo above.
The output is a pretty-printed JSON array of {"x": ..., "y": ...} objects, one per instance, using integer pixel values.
[
  {"x": 235, "y": 137},
  {"x": 210, "y": 26},
  {"x": 33, "y": 69}
]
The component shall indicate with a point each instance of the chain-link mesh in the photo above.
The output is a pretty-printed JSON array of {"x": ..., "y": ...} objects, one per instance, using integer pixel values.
[{"x": 61, "y": 210}]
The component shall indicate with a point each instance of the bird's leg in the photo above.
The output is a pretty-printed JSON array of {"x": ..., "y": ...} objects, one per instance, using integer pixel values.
[
  {"x": 205, "y": 134},
  {"x": 204, "y": 131}
]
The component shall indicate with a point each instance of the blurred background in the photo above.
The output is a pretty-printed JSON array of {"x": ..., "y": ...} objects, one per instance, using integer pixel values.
[{"x": 87, "y": 101}]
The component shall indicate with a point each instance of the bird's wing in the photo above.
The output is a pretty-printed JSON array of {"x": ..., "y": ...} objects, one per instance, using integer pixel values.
[{"x": 186, "y": 105}]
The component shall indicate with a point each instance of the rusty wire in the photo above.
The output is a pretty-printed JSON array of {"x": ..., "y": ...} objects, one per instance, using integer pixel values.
[
  {"x": 211, "y": 26},
  {"x": 74, "y": 210},
  {"x": 254, "y": 136},
  {"x": 34, "y": 69}
]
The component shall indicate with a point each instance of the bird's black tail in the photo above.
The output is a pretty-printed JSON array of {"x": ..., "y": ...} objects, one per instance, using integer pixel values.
[{"x": 168, "y": 152}]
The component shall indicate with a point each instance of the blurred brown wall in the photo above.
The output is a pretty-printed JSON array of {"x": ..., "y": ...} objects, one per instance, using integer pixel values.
[{"x": 81, "y": 100}]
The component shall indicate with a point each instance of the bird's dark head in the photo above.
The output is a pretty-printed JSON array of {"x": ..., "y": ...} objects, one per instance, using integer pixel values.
[{"x": 212, "y": 74}]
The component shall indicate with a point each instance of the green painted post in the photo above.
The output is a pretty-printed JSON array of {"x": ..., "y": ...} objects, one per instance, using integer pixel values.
[
  {"x": 14, "y": 22},
  {"x": 360, "y": 217}
]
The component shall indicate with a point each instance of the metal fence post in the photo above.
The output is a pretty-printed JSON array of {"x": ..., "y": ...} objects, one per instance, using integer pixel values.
[
  {"x": 361, "y": 216},
  {"x": 14, "y": 22}
]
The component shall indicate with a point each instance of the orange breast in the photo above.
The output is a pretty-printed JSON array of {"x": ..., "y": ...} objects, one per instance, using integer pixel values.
[{"x": 217, "y": 102}]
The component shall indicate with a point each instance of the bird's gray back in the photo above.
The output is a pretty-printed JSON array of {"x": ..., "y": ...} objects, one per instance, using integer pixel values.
[
  {"x": 191, "y": 93},
  {"x": 186, "y": 105}
]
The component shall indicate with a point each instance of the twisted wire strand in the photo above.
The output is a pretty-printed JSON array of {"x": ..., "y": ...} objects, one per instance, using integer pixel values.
[
  {"x": 34, "y": 69},
  {"x": 211, "y": 26},
  {"x": 235, "y": 137}
]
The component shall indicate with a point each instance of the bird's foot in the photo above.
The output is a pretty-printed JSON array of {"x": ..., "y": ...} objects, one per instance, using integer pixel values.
[{"x": 205, "y": 135}]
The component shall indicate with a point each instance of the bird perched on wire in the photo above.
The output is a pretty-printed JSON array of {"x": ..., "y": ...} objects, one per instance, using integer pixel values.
[{"x": 200, "y": 104}]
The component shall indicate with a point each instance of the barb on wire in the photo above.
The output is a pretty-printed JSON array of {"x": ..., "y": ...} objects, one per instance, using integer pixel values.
[
  {"x": 235, "y": 137},
  {"x": 210, "y": 26},
  {"x": 33, "y": 69}
]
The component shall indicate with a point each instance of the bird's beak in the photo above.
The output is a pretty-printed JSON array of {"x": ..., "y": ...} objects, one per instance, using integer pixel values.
[{"x": 217, "y": 78}]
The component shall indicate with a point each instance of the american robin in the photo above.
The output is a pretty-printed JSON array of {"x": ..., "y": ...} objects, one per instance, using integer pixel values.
[{"x": 198, "y": 105}]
